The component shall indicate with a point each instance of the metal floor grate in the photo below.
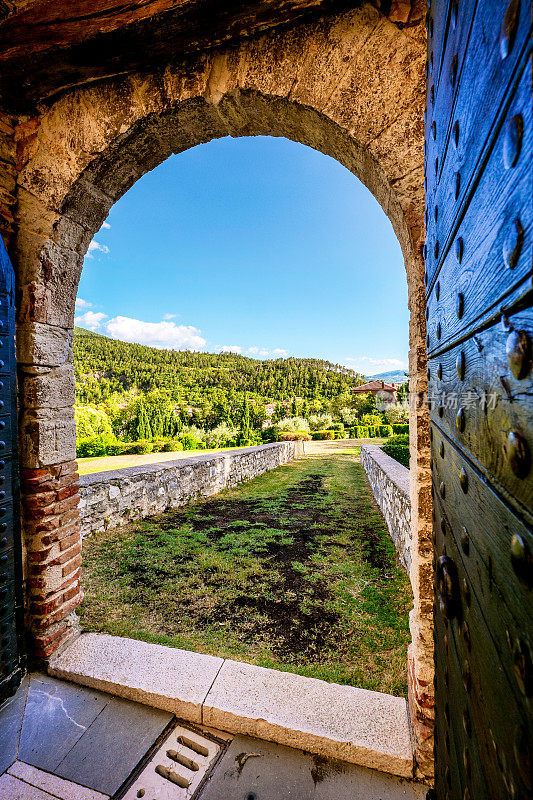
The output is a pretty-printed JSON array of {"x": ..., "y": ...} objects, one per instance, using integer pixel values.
[{"x": 176, "y": 769}]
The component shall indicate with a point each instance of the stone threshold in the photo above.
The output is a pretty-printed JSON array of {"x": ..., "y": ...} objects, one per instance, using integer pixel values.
[{"x": 358, "y": 726}]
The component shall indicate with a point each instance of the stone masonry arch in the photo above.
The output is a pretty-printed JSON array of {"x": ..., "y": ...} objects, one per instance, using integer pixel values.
[{"x": 351, "y": 86}]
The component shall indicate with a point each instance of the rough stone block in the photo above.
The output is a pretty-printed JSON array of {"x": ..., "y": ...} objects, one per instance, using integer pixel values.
[{"x": 49, "y": 388}]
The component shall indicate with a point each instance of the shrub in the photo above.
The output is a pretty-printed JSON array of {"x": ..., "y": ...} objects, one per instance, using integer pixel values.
[
  {"x": 349, "y": 417},
  {"x": 336, "y": 426},
  {"x": 269, "y": 434},
  {"x": 400, "y": 427},
  {"x": 361, "y": 432},
  {"x": 221, "y": 435},
  {"x": 189, "y": 442},
  {"x": 142, "y": 448},
  {"x": 172, "y": 446},
  {"x": 294, "y": 436},
  {"x": 323, "y": 434},
  {"x": 116, "y": 449},
  {"x": 402, "y": 438},
  {"x": 385, "y": 430},
  {"x": 91, "y": 447},
  {"x": 320, "y": 422},
  {"x": 373, "y": 431},
  {"x": 398, "y": 414},
  {"x": 157, "y": 447},
  {"x": 198, "y": 434},
  {"x": 91, "y": 423},
  {"x": 398, "y": 448},
  {"x": 293, "y": 424},
  {"x": 371, "y": 420},
  {"x": 95, "y": 446},
  {"x": 340, "y": 434}
]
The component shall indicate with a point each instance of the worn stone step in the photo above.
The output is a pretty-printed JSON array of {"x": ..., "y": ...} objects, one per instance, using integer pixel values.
[{"x": 343, "y": 722}]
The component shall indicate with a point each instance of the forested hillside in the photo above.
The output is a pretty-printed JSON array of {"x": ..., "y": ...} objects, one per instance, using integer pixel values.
[
  {"x": 105, "y": 366},
  {"x": 133, "y": 396}
]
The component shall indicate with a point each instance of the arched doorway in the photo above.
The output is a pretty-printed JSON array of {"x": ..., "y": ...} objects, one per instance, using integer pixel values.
[{"x": 327, "y": 87}]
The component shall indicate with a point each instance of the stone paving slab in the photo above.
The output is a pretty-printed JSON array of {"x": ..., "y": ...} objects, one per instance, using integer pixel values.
[
  {"x": 125, "y": 728},
  {"x": 80, "y": 735},
  {"x": 57, "y": 787},
  {"x": 355, "y": 725},
  {"x": 163, "y": 677},
  {"x": 11, "y": 717},
  {"x": 57, "y": 715},
  {"x": 12, "y": 788},
  {"x": 343, "y": 722},
  {"x": 266, "y": 771}
]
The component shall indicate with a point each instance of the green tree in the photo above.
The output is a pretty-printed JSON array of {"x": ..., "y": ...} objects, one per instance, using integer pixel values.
[
  {"x": 245, "y": 420},
  {"x": 144, "y": 430}
]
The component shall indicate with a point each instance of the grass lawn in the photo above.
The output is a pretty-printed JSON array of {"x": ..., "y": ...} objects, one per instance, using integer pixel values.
[
  {"x": 294, "y": 570},
  {"x": 86, "y": 466}
]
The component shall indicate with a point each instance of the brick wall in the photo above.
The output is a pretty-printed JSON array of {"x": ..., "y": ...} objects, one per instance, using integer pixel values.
[{"x": 53, "y": 553}]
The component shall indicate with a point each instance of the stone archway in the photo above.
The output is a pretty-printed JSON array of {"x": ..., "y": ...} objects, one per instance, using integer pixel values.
[{"x": 351, "y": 87}]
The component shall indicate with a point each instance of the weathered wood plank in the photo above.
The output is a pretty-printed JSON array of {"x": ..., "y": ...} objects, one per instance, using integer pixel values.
[
  {"x": 486, "y": 270},
  {"x": 473, "y": 386},
  {"x": 482, "y": 675},
  {"x": 458, "y": 750},
  {"x": 500, "y": 584},
  {"x": 483, "y": 82}
]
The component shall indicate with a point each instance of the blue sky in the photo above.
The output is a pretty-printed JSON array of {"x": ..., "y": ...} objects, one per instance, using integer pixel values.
[{"x": 258, "y": 245}]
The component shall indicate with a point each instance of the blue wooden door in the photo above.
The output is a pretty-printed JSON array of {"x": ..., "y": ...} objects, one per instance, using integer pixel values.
[
  {"x": 479, "y": 281},
  {"x": 11, "y": 596}
]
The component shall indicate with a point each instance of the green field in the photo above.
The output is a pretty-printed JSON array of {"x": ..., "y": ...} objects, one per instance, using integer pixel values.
[{"x": 294, "y": 570}]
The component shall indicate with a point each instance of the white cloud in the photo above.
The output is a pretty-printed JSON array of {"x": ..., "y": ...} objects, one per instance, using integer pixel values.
[
  {"x": 169, "y": 316},
  {"x": 90, "y": 319},
  {"x": 95, "y": 246},
  {"x": 231, "y": 348},
  {"x": 260, "y": 352},
  {"x": 106, "y": 226},
  {"x": 370, "y": 365},
  {"x": 165, "y": 334},
  {"x": 82, "y": 303}
]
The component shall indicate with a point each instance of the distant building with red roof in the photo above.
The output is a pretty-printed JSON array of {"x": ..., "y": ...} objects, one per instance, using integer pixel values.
[{"x": 377, "y": 386}]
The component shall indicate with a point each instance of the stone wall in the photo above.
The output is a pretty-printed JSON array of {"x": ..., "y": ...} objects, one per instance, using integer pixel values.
[
  {"x": 390, "y": 483},
  {"x": 113, "y": 498}
]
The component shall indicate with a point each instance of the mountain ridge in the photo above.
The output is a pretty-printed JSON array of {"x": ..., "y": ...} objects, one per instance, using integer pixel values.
[
  {"x": 394, "y": 376},
  {"x": 104, "y": 366}
]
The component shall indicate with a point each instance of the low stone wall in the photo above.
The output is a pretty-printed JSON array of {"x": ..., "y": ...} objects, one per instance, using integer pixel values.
[
  {"x": 112, "y": 498},
  {"x": 390, "y": 483}
]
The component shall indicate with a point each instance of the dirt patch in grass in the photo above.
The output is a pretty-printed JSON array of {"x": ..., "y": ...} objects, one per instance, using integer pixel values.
[
  {"x": 293, "y": 628},
  {"x": 294, "y": 570}
]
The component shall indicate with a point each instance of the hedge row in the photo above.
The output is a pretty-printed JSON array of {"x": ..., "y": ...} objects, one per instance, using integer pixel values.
[
  {"x": 294, "y": 436},
  {"x": 108, "y": 446},
  {"x": 398, "y": 448},
  {"x": 329, "y": 434},
  {"x": 371, "y": 431},
  {"x": 400, "y": 428}
]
